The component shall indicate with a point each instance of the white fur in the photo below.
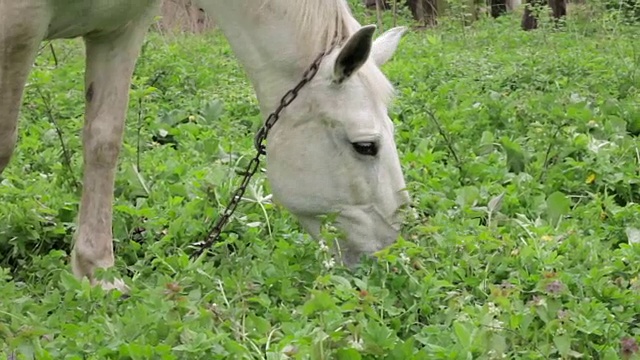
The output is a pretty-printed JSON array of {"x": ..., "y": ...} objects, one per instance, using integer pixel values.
[
  {"x": 312, "y": 166},
  {"x": 386, "y": 45}
]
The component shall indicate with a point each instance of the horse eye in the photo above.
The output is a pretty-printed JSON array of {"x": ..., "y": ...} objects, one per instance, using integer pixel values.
[{"x": 365, "y": 148}]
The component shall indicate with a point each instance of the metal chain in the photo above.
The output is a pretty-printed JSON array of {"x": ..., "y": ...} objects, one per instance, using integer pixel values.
[{"x": 252, "y": 167}]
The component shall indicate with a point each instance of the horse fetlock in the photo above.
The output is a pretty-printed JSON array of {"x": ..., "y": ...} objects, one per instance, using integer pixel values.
[{"x": 90, "y": 253}]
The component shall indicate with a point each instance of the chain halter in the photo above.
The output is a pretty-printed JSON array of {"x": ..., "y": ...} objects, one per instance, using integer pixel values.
[{"x": 252, "y": 167}]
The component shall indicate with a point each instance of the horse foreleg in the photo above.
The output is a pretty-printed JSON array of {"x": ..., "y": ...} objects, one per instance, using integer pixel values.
[{"x": 111, "y": 59}]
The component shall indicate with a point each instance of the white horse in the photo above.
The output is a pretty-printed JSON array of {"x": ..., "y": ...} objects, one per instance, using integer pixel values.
[{"x": 332, "y": 151}]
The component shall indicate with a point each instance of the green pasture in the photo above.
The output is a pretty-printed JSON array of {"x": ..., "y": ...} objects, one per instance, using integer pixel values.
[{"x": 520, "y": 150}]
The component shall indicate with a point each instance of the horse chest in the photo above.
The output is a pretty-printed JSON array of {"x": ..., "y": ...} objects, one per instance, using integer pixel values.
[{"x": 73, "y": 18}]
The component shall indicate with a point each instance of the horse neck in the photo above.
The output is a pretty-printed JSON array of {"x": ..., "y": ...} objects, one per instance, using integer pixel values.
[{"x": 268, "y": 47}]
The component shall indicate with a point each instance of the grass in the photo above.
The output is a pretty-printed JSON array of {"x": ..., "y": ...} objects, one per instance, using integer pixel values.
[{"x": 520, "y": 151}]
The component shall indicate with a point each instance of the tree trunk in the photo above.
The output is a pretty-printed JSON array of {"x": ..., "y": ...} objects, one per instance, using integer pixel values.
[
  {"x": 559, "y": 8},
  {"x": 529, "y": 21},
  {"x": 498, "y": 7},
  {"x": 372, "y": 4},
  {"x": 425, "y": 11}
]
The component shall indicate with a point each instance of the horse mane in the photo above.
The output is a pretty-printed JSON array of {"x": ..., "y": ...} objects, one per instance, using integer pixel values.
[{"x": 316, "y": 22}]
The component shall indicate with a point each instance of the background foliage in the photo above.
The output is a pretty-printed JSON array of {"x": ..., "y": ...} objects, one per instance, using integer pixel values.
[{"x": 520, "y": 150}]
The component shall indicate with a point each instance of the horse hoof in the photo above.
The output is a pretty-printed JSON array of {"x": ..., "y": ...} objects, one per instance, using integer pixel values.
[{"x": 117, "y": 284}]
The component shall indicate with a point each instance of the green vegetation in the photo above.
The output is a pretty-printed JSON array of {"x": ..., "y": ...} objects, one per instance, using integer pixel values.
[{"x": 520, "y": 150}]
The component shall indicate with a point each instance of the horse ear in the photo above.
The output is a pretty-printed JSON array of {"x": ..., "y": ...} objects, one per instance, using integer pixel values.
[
  {"x": 353, "y": 54},
  {"x": 386, "y": 44}
]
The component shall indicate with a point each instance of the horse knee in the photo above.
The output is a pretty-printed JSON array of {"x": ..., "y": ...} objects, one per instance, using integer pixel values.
[{"x": 102, "y": 146}]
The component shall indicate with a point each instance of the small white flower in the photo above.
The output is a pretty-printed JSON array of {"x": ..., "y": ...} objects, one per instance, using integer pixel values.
[
  {"x": 561, "y": 331},
  {"x": 323, "y": 246},
  {"x": 290, "y": 350},
  {"x": 492, "y": 354},
  {"x": 495, "y": 325},
  {"x": 404, "y": 258},
  {"x": 415, "y": 213},
  {"x": 329, "y": 264},
  {"x": 356, "y": 344},
  {"x": 542, "y": 303},
  {"x": 493, "y": 309}
]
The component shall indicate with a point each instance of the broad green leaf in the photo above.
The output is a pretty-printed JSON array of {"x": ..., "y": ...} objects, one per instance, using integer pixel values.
[
  {"x": 516, "y": 159},
  {"x": 213, "y": 110},
  {"x": 487, "y": 143},
  {"x": 348, "y": 354},
  {"x": 563, "y": 344},
  {"x": 320, "y": 301},
  {"x": 463, "y": 334},
  {"x": 558, "y": 205},
  {"x": 496, "y": 203}
]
